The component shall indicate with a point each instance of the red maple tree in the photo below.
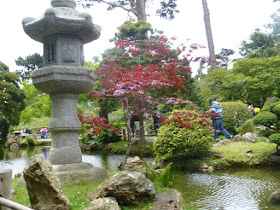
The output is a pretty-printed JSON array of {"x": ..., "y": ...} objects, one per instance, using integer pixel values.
[{"x": 132, "y": 84}]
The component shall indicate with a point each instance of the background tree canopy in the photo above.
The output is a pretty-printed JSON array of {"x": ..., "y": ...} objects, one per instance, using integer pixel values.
[
  {"x": 30, "y": 63},
  {"x": 251, "y": 81},
  {"x": 11, "y": 99}
]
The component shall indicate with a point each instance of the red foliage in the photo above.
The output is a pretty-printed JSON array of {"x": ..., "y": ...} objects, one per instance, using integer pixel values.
[
  {"x": 131, "y": 84},
  {"x": 183, "y": 119},
  {"x": 97, "y": 123}
]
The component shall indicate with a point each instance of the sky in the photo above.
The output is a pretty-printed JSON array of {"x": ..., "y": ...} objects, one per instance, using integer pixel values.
[{"x": 231, "y": 20}]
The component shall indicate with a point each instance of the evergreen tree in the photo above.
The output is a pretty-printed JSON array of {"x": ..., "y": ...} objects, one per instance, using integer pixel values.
[{"x": 11, "y": 100}]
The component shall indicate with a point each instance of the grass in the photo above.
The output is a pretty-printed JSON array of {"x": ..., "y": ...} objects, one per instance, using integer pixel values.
[
  {"x": 232, "y": 154},
  {"x": 21, "y": 194},
  {"x": 235, "y": 151},
  {"x": 75, "y": 192}
]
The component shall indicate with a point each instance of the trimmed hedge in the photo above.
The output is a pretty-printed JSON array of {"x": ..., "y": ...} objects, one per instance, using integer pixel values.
[
  {"x": 265, "y": 118},
  {"x": 275, "y": 138},
  {"x": 235, "y": 114},
  {"x": 248, "y": 126},
  {"x": 179, "y": 141}
]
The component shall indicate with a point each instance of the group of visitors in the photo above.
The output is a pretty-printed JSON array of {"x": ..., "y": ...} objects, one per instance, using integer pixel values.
[
  {"x": 253, "y": 110},
  {"x": 25, "y": 131},
  {"x": 216, "y": 116},
  {"x": 135, "y": 124}
]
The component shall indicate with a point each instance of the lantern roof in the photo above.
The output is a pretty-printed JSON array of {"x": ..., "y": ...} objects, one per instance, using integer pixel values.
[{"x": 62, "y": 18}]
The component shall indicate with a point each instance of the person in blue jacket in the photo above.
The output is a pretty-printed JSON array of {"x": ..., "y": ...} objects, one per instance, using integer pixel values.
[{"x": 217, "y": 118}]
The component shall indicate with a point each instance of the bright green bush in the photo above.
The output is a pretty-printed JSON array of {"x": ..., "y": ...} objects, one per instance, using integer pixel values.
[
  {"x": 265, "y": 118},
  {"x": 23, "y": 143},
  {"x": 179, "y": 141},
  {"x": 269, "y": 116},
  {"x": 248, "y": 126},
  {"x": 235, "y": 114},
  {"x": 275, "y": 138},
  {"x": 31, "y": 141}
]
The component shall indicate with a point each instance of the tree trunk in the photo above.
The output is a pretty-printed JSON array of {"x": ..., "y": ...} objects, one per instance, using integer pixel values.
[
  {"x": 142, "y": 128},
  {"x": 140, "y": 9},
  {"x": 209, "y": 35}
]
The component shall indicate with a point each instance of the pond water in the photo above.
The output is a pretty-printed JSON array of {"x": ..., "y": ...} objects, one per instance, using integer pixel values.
[{"x": 230, "y": 189}]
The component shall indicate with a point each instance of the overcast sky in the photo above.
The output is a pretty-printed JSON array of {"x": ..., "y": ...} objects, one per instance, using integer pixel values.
[{"x": 232, "y": 21}]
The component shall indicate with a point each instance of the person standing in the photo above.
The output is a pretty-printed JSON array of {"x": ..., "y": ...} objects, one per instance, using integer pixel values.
[
  {"x": 217, "y": 119},
  {"x": 251, "y": 107},
  {"x": 156, "y": 117}
]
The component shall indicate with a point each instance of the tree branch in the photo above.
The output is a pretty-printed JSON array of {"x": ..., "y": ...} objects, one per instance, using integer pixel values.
[
  {"x": 116, "y": 5},
  {"x": 132, "y": 3}
]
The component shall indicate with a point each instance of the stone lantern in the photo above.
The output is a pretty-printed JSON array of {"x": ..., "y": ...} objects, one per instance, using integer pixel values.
[{"x": 63, "y": 32}]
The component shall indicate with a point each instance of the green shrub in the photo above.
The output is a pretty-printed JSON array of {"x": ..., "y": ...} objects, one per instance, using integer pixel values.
[
  {"x": 31, "y": 141},
  {"x": 5, "y": 130},
  {"x": 149, "y": 126},
  {"x": 276, "y": 109},
  {"x": 117, "y": 116},
  {"x": 275, "y": 138},
  {"x": 268, "y": 107},
  {"x": 179, "y": 141},
  {"x": 23, "y": 143},
  {"x": 2, "y": 152},
  {"x": 108, "y": 136},
  {"x": 248, "y": 126},
  {"x": 265, "y": 118},
  {"x": 266, "y": 133},
  {"x": 84, "y": 129},
  {"x": 164, "y": 179},
  {"x": 235, "y": 114}
]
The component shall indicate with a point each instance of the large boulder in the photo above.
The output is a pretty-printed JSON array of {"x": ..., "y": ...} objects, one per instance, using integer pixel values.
[
  {"x": 135, "y": 164},
  {"x": 237, "y": 138},
  {"x": 44, "y": 188},
  {"x": 275, "y": 197},
  {"x": 274, "y": 157},
  {"x": 14, "y": 147},
  {"x": 171, "y": 199},
  {"x": 107, "y": 203},
  {"x": 11, "y": 141},
  {"x": 249, "y": 137},
  {"x": 129, "y": 188},
  {"x": 79, "y": 172}
]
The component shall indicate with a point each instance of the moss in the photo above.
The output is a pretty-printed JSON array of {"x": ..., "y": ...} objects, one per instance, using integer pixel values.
[{"x": 235, "y": 152}]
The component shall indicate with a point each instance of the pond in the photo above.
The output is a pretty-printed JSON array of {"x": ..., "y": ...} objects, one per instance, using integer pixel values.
[{"x": 226, "y": 189}]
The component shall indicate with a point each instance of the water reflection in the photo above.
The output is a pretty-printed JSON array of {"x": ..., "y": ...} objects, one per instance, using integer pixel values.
[
  {"x": 233, "y": 189},
  {"x": 230, "y": 190},
  {"x": 20, "y": 159}
]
